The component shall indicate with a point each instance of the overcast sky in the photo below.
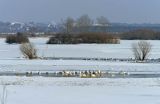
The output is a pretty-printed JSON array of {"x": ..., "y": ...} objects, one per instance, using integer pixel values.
[{"x": 127, "y": 11}]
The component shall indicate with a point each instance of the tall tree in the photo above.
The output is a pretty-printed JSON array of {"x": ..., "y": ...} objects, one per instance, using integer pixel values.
[
  {"x": 69, "y": 25},
  {"x": 83, "y": 23},
  {"x": 103, "y": 23}
]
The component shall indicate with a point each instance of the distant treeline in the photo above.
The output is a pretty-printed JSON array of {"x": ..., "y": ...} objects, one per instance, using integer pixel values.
[
  {"x": 140, "y": 34},
  {"x": 83, "y": 38}
]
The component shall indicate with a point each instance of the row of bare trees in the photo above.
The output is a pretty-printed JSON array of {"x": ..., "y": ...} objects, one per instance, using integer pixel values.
[{"x": 83, "y": 24}]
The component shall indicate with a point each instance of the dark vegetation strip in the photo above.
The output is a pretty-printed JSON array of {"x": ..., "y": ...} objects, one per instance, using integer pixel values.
[
  {"x": 85, "y": 74},
  {"x": 103, "y": 59},
  {"x": 83, "y": 38}
]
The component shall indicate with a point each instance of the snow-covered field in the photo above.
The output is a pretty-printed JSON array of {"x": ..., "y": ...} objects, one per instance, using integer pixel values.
[
  {"x": 48, "y": 90},
  {"x": 11, "y": 58},
  {"x": 40, "y": 90},
  {"x": 122, "y": 50}
]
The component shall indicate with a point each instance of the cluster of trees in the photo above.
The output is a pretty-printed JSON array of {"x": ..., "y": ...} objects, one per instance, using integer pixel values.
[
  {"x": 140, "y": 34},
  {"x": 83, "y": 38},
  {"x": 84, "y": 24}
]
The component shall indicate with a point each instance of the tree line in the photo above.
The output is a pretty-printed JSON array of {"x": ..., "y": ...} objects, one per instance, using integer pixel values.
[
  {"x": 84, "y": 24},
  {"x": 140, "y": 34}
]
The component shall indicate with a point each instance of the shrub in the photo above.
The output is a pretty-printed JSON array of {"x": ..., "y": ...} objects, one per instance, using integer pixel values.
[
  {"x": 18, "y": 38},
  {"x": 28, "y": 50},
  {"x": 10, "y": 39},
  {"x": 83, "y": 38},
  {"x": 141, "y": 50}
]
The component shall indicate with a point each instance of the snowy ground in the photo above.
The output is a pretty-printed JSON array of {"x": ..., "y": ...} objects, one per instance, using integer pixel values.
[
  {"x": 83, "y": 95},
  {"x": 40, "y": 90},
  {"x": 122, "y": 50},
  {"x": 11, "y": 58},
  {"x": 79, "y": 50},
  {"x": 48, "y": 90}
]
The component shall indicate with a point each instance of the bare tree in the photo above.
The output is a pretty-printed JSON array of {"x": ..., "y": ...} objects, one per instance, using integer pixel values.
[
  {"x": 69, "y": 25},
  {"x": 28, "y": 50},
  {"x": 83, "y": 23},
  {"x": 103, "y": 23},
  {"x": 141, "y": 50}
]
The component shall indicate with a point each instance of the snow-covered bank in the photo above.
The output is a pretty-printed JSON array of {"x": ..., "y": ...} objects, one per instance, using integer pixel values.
[
  {"x": 50, "y": 81},
  {"x": 40, "y": 90},
  {"x": 82, "y": 95},
  {"x": 46, "y": 65}
]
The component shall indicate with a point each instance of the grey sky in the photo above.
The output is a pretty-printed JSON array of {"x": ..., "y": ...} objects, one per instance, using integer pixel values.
[{"x": 128, "y": 11}]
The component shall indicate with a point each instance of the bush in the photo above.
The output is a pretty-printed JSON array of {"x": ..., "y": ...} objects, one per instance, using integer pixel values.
[
  {"x": 10, "y": 39},
  {"x": 141, "y": 50},
  {"x": 18, "y": 38},
  {"x": 28, "y": 50},
  {"x": 83, "y": 38}
]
